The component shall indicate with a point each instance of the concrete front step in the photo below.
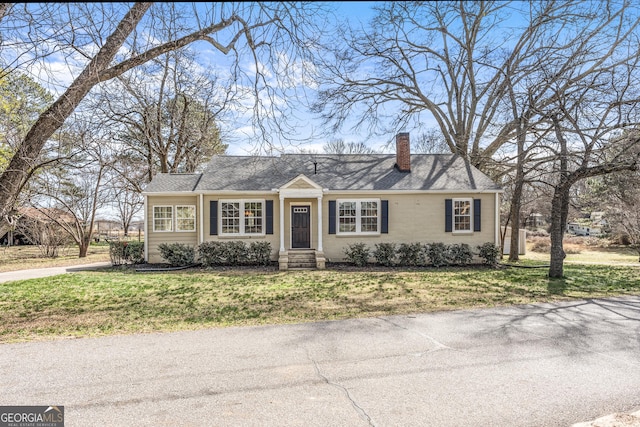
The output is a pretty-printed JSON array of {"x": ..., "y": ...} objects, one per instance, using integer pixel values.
[
  {"x": 301, "y": 264},
  {"x": 302, "y": 260}
]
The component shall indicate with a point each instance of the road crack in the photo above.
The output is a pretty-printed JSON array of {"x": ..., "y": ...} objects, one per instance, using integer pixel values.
[
  {"x": 438, "y": 344},
  {"x": 359, "y": 410}
]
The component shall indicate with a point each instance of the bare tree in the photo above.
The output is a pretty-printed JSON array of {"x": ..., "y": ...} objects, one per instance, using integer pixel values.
[
  {"x": 488, "y": 85},
  {"x": 127, "y": 200},
  {"x": 590, "y": 145},
  {"x": 338, "y": 146},
  {"x": 452, "y": 61},
  {"x": 263, "y": 33},
  {"x": 75, "y": 187},
  {"x": 165, "y": 115},
  {"x": 430, "y": 142}
]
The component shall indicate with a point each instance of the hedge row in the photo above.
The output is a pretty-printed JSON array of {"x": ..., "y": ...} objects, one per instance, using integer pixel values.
[
  {"x": 418, "y": 254},
  {"x": 211, "y": 254}
]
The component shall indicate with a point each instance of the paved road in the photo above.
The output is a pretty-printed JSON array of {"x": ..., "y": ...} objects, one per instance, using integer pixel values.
[
  {"x": 536, "y": 365},
  {"x": 37, "y": 273}
]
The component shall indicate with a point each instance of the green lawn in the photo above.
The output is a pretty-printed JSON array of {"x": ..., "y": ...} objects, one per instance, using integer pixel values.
[{"x": 116, "y": 301}]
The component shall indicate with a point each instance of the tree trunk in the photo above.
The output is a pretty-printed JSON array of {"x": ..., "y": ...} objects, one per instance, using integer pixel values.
[
  {"x": 15, "y": 175},
  {"x": 84, "y": 246},
  {"x": 516, "y": 198},
  {"x": 559, "y": 214},
  {"x": 516, "y": 205}
]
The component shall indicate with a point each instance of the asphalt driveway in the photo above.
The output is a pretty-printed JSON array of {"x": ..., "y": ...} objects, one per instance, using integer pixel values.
[{"x": 536, "y": 365}]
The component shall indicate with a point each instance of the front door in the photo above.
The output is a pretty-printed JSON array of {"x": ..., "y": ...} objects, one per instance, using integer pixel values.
[{"x": 300, "y": 227}]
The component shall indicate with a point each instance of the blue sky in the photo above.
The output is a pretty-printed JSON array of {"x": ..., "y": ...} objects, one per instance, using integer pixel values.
[{"x": 311, "y": 138}]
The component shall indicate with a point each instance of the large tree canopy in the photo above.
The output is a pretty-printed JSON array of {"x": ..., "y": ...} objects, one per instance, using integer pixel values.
[{"x": 104, "y": 41}]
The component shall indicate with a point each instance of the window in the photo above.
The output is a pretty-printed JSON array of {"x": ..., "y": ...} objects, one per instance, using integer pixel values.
[
  {"x": 253, "y": 217},
  {"x": 358, "y": 216},
  {"x": 369, "y": 217},
  {"x": 230, "y": 217},
  {"x": 462, "y": 215},
  {"x": 162, "y": 218},
  {"x": 347, "y": 217},
  {"x": 185, "y": 218},
  {"x": 242, "y": 217}
]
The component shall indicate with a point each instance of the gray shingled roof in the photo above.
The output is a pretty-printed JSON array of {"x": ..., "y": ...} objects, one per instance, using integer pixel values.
[
  {"x": 445, "y": 172},
  {"x": 167, "y": 182}
]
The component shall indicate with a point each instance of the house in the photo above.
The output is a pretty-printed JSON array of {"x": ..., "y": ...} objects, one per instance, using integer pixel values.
[
  {"x": 31, "y": 225},
  {"x": 319, "y": 204},
  {"x": 536, "y": 220}
]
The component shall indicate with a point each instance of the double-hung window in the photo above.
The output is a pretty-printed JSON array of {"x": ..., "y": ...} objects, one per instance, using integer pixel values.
[
  {"x": 358, "y": 216},
  {"x": 462, "y": 215},
  {"x": 163, "y": 218},
  {"x": 242, "y": 217},
  {"x": 186, "y": 218}
]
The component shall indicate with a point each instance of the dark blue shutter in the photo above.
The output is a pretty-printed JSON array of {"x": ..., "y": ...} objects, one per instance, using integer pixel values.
[
  {"x": 385, "y": 217},
  {"x": 476, "y": 215},
  {"x": 213, "y": 217},
  {"x": 269, "y": 218},
  {"x": 332, "y": 217},
  {"x": 448, "y": 215}
]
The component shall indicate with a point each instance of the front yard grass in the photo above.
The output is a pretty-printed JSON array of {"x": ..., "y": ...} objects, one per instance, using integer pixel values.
[{"x": 120, "y": 301}]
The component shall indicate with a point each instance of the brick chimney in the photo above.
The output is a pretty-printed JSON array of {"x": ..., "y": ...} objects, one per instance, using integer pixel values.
[{"x": 403, "y": 152}]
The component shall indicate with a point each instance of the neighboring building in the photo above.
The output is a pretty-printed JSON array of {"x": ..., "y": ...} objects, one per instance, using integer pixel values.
[
  {"x": 536, "y": 220},
  {"x": 323, "y": 203},
  {"x": 522, "y": 241},
  {"x": 106, "y": 229},
  {"x": 583, "y": 230},
  {"x": 33, "y": 226}
]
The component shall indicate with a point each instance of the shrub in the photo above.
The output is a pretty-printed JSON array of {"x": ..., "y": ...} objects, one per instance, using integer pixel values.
[
  {"x": 117, "y": 252},
  {"x": 489, "y": 253},
  {"x": 460, "y": 254},
  {"x": 123, "y": 252},
  {"x": 260, "y": 253},
  {"x": 411, "y": 254},
  {"x": 385, "y": 253},
  {"x": 236, "y": 252},
  {"x": 212, "y": 253},
  {"x": 357, "y": 254},
  {"x": 177, "y": 254},
  {"x": 134, "y": 252},
  {"x": 540, "y": 244},
  {"x": 437, "y": 254}
]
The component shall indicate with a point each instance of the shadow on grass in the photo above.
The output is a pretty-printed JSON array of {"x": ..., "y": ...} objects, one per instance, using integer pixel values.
[{"x": 557, "y": 286}]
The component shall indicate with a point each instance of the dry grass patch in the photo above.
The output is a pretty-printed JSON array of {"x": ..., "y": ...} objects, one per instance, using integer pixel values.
[{"x": 15, "y": 258}]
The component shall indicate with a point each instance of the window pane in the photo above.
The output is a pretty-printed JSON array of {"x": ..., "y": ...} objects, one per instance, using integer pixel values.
[
  {"x": 347, "y": 217},
  {"x": 462, "y": 215},
  {"x": 347, "y": 209},
  {"x": 230, "y": 217},
  {"x": 185, "y": 218},
  {"x": 253, "y": 217},
  {"x": 162, "y": 218},
  {"x": 347, "y": 225},
  {"x": 369, "y": 217}
]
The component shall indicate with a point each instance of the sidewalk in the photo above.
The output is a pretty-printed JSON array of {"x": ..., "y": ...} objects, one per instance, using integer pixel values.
[{"x": 37, "y": 273}]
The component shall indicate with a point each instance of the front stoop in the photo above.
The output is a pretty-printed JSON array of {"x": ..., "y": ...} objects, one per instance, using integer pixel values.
[{"x": 304, "y": 259}]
